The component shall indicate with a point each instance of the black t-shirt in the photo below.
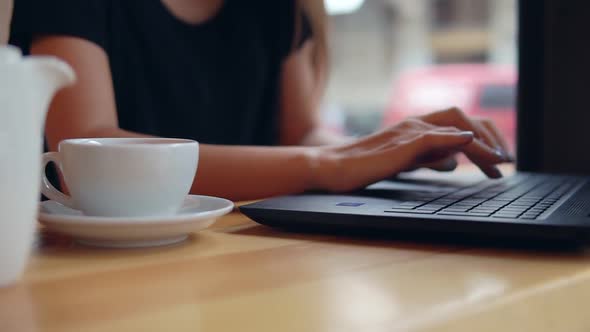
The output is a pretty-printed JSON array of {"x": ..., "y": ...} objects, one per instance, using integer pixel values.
[{"x": 217, "y": 82}]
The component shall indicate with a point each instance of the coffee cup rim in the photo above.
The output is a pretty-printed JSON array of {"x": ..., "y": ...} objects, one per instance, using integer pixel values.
[{"x": 127, "y": 142}]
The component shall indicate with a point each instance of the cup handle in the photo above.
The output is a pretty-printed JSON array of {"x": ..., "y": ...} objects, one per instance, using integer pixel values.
[{"x": 47, "y": 188}]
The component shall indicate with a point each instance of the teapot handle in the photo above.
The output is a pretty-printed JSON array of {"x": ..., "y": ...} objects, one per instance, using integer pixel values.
[{"x": 47, "y": 188}]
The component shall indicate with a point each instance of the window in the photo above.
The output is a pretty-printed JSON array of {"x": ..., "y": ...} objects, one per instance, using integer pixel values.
[{"x": 397, "y": 58}]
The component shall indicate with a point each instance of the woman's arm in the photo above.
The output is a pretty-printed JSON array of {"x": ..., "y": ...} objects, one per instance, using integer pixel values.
[
  {"x": 87, "y": 109},
  {"x": 302, "y": 89}
]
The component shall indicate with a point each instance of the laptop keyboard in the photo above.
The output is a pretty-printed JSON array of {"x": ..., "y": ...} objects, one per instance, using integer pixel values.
[{"x": 523, "y": 198}]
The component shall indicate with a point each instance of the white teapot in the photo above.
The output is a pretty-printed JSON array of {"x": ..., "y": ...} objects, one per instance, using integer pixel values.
[{"x": 27, "y": 85}]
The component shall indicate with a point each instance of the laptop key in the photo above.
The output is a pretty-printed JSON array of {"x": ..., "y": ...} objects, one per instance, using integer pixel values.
[
  {"x": 530, "y": 216},
  {"x": 409, "y": 204},
  {"x": 480, "y": 213},
  {"x": 409, "y": 211},
  {"x": 512, "y": 211},
  {"x": 434, "y": 205},
  {"x": 502, "y": 214},
  {"x": 488, "y": 211},
  {"x": 456, "y": 209},
  {"x": 428, "y": 208},
  {"x": 505, "y": 216},
  {"x": 463, "y": 214},
  {"x": 404, "y": 207}
]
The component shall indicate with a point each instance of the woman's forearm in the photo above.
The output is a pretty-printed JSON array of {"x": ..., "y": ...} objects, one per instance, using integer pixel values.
[
  {"x": 243, "y": 172},
  {"x": 246, "y": 172}
]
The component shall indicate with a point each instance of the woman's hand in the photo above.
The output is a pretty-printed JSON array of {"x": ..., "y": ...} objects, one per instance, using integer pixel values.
[
  {"x": 486, "y": 134},
  {"x": 432, "y": 138}
]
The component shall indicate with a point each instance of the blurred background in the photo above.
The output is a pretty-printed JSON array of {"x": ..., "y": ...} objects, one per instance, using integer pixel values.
[{"x": 397, "y": 58}]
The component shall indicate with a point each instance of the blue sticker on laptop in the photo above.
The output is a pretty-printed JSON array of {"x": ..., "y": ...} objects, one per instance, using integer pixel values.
[{"x": 351, "y": 204}]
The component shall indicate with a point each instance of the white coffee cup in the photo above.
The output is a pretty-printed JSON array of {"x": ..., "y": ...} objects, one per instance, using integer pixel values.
[{"x": 123, "y": 177}]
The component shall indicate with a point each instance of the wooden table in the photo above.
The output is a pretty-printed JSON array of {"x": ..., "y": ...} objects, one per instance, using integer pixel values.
[{"x": 240, "y": 276}]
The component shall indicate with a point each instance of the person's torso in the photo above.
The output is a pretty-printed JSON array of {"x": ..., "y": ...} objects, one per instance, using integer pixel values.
[{"x": 215, "y": 82}]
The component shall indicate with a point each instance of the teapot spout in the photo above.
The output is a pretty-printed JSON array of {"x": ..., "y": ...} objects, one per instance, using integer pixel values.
[
  {"x": 47, "y": 76},
  {"x": 52, "y": 73}
]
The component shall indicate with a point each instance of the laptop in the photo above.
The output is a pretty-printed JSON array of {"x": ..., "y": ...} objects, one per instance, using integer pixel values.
[{"x": 548, "y": 198}]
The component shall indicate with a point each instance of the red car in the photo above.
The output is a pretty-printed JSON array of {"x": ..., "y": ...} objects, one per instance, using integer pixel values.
[{"x": 480, "y": 90}]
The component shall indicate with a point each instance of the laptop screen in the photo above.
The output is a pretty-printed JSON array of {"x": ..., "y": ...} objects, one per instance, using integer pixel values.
[{"x": 554, "y": 71}]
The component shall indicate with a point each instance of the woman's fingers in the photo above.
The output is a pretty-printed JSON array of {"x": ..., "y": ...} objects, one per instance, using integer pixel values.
[
  {"x": 498, "y": 135},
  {"x": 485, "y": 158},
  {"x": 486, "y": 150},
  {"x": 482, "y": 154},
  {"x": 456, "y": 118},
  {"x": 442, "y": 165},
  {"x": 437, "y": 141},
  {"x": 407, "y": 154},
  {"x": 440, "y": 142}
]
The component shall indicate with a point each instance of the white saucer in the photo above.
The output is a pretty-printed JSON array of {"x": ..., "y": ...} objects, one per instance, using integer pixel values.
[{"x": 197, "y": 213}]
